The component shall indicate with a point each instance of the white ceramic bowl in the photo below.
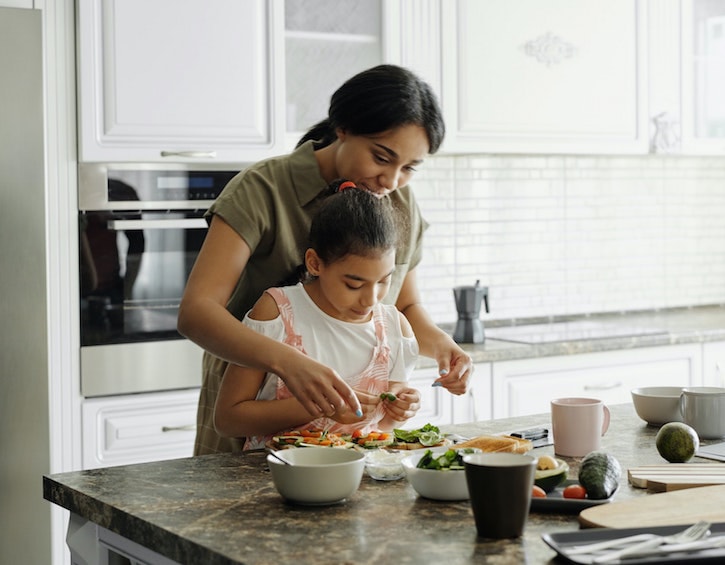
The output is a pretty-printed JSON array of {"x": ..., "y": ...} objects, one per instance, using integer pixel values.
[
  {"x": 434, "y": 484},
  {"x": 317, "y": 475},
  {"x": 657, "y": 405}
]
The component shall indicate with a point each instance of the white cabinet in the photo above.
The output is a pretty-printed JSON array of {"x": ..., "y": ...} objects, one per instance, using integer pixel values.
[
  {"x": 527, "y": 386},
  {"x": 136, "y": 428},
  {"x": 713, "y": 363},
  {"x": 556, "y": 76},
  {"x": 175, "y": 81},
  {"x": 439, "y": 407}
]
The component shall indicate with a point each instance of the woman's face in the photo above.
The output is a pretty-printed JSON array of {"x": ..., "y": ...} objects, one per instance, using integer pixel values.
[
  {"x": 348, "y": 288},
  {"x": 381, "y": 163}
]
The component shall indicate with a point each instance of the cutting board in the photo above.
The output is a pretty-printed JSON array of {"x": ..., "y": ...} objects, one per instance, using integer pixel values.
[
  {"x": 661, "y": 509},
  {"x": 676, "y": 476}
]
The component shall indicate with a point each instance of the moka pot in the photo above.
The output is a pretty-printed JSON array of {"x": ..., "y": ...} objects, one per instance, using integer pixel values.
[{"x": 469, "y": 327}]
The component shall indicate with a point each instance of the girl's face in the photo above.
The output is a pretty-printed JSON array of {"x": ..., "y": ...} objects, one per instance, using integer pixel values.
[
  {"x": 383, "y": 162},
  {"x": 347, "y": 289}
]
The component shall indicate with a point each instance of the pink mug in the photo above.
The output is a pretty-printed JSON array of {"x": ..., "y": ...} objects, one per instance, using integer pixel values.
[{"x": 578, "y": 425}]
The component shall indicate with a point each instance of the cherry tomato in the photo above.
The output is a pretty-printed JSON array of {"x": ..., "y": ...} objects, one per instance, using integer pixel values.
[
  {"x": 574, "y": 491},
  {"x": 538, "y": 492}
]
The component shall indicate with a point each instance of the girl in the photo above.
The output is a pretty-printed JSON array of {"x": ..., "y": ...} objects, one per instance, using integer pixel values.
[
  {"x": 381, "y": 125},
  {"x": 337, "y": 318}
]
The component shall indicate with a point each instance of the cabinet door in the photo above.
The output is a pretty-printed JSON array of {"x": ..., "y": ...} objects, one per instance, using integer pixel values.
[
  {"x": 554, "y": 76},
  {"x": 169, "y": 80},
  {"x": 713, "y": 363},
  {"x": 137, "y": 428},
  {"x": 527, "y": 386},
  {"x": 703, "y": 77},
  {"x": 439, "y": 407}
]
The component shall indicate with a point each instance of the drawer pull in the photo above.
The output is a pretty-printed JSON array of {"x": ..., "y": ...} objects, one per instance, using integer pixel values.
[
  {"x": 186, "y": 428},
  {"x": 190, "y": 154},
  {"x": 603, "y": 387}
]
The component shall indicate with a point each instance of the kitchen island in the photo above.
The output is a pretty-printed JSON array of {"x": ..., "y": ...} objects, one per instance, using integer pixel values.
[{"x": 224, "y": 509}]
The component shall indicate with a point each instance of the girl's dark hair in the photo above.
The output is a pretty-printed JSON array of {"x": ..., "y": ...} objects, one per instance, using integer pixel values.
[
  {"x": 377, "y": 100},
  {"x": 353, "y": 222}
]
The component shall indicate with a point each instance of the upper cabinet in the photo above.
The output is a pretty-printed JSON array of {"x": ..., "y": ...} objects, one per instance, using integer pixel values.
[
  {"x": 176, "y": 81},
  {"x": 240, "y": 80},
  {"x": 561, "y": 76}
]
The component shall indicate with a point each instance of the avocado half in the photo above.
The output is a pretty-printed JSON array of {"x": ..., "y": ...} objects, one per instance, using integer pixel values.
[{"x": 549, "y": 479}]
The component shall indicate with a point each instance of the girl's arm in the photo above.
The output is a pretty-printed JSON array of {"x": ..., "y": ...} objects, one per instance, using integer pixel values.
[
  {"x": 455, "y": 366},
  {"x": 204, "y": 319},
  {"x": 237, "y": 413}
]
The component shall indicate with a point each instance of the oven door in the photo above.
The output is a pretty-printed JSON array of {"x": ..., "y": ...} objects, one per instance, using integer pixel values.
[{"x": 134, "y": 267}]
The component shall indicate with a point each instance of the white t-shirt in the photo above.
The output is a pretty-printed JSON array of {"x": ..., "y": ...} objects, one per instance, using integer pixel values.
[{"x": 344, "y": 346}]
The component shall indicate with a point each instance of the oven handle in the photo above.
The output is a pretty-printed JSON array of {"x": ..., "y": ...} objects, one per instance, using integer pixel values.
[{"x": 184, "y": 223}]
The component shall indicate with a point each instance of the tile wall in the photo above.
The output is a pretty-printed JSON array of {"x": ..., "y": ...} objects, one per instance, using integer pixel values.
[{"x": 559, "y": 235}]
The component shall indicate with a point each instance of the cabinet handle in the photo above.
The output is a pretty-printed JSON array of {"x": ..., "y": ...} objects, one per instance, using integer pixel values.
[
  {"x": 190, "y": 154},
  {"x": 603, "y": 387},
  {"x": 186, "y": 428}
]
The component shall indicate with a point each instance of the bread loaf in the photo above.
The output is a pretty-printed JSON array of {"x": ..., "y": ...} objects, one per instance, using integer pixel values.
[{"x": 498, "y": 444}]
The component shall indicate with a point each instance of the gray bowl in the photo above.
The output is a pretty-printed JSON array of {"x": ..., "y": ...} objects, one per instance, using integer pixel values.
[
  {"x": 317, "y": 475},
  {"x": 657, "y": 405}
]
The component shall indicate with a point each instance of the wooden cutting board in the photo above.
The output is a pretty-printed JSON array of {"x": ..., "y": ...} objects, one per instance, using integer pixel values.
[
  {"x": 676, "y": 476},
  {"x": 660, "y": 509}
]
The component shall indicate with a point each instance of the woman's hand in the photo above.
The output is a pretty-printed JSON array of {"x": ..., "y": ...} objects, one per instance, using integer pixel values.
[
  {"x": 455, "y": 367},
  {"x": 318, "y": 388}
]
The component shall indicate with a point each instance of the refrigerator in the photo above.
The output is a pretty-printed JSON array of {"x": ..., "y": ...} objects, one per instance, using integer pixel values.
[{"x": 25, "y": 535}]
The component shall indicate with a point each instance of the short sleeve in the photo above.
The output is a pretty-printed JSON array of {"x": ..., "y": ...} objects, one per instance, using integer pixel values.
[
  {"x": 270, "y": 328},
  {"x": 405, "y": 360}
]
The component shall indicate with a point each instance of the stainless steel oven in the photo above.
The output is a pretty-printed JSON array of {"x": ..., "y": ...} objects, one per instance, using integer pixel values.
[{"x": 140, "y": 230}]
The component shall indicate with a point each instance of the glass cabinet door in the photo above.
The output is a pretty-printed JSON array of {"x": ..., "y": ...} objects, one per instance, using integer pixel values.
[
  {"x": 326, "y": 42},
  {"x": 703, "y": 73}
]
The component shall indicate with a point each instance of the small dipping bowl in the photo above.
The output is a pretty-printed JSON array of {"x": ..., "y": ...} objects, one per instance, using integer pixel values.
[{"x": 385, "y": 465}]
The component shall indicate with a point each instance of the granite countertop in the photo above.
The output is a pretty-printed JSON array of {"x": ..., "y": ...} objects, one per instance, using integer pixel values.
[
  {"x": 223, "y": 509},
  {"x": 563, "y": 335}
]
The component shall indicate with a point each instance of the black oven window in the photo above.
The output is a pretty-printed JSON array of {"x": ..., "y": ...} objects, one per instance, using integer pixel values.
[{"x": 133, "y": 269}]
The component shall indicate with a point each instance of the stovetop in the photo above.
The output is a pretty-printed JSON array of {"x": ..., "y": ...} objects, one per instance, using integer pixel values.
[{"x": 567, "y": 331}]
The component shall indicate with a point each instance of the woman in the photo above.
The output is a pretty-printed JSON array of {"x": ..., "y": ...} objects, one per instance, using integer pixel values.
[{"x": 381, "y": 125}]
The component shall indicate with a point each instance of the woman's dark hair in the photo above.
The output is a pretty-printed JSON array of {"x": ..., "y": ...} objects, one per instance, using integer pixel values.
[
  {"x": 353, "y": 222},
  {"x": 377, "y": 100}
]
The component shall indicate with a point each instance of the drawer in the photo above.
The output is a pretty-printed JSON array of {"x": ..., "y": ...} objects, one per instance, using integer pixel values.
[{"x": 138, "y": 428}]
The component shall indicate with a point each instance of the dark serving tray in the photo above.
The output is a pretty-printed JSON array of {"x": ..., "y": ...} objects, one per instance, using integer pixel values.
[
  {"x": 559, "y": 542},
  {"x": 555, "y": 501}
]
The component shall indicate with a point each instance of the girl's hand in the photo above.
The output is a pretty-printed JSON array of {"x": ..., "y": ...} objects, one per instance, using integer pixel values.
[
  {"x": 405, "y": 405},
  {"x": 455, "y": 367}
]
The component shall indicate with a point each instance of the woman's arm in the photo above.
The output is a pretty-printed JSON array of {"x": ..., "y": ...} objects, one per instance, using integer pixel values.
[
  {"x": 204, "y": 319},
  {"x": 455, "y": 366}
]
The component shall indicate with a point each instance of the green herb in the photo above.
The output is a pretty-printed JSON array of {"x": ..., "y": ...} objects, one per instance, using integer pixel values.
[
  {"x": 427, "y": 435},
  {"x": 388, "y": 396},
  {"x": 451, "y": 460}
]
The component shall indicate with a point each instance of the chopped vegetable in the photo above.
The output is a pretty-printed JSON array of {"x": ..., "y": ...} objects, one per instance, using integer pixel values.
[
  {"x": 388, "y": 396},
  {"x": 451, "y": 460},
  {"x": 427, "y": 435}
]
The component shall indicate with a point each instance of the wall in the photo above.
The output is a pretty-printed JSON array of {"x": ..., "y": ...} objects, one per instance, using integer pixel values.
[{"x": 558, "y": 235}]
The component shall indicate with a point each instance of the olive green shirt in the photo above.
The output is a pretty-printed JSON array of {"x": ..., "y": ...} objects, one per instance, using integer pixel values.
[{"x": 271, "y": 205}]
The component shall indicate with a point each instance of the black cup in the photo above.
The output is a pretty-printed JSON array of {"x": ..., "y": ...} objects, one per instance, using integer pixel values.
[{"x": 500, "y": 487}]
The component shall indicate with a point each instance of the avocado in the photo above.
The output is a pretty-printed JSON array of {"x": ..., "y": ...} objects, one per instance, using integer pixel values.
[
  {"x": 549, "y": 479},
  {"x": 599, "y": 474}
]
